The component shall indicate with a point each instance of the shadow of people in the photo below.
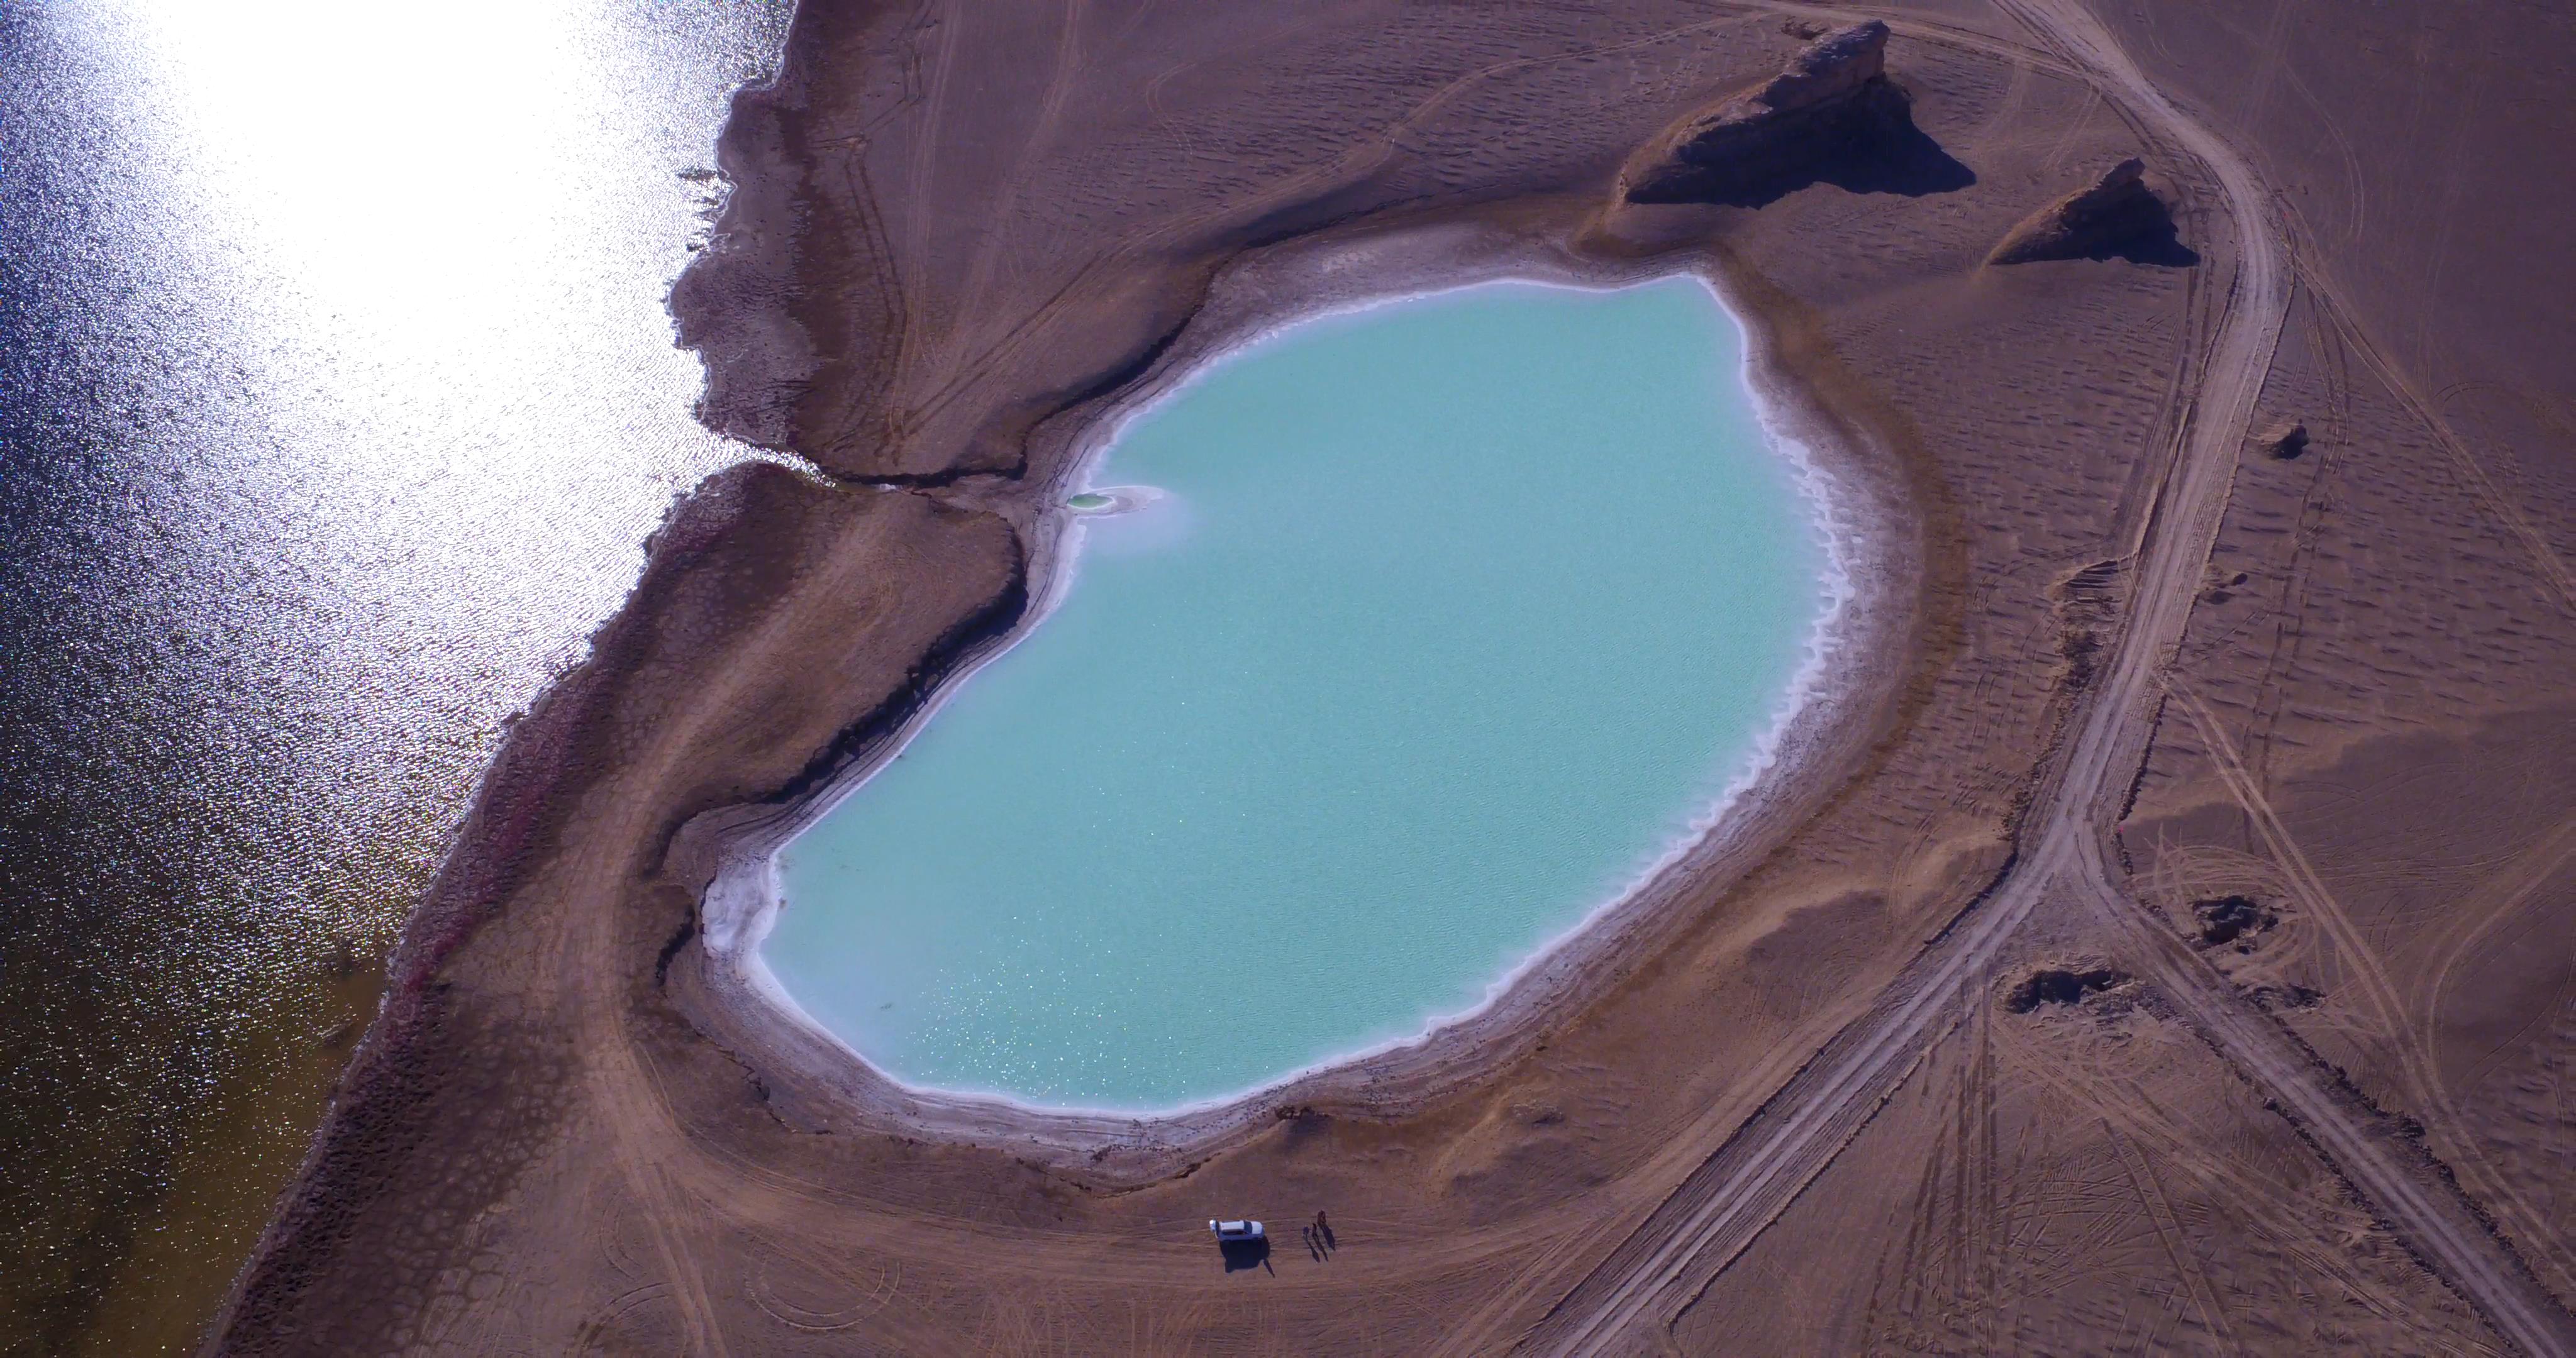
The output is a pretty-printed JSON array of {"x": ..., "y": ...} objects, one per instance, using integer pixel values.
[
  {"x": 1243, "y": 1254},
  {"x": 1870, "y": 145},
  {"x": 1324, "y": 1230}
]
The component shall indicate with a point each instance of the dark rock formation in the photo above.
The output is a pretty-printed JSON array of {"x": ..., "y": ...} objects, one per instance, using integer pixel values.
[
  {"x": 2057, "y": 985},
  {"x": 2271, "y": 999},
  {"x": 1830, "y": 116},
  {"x": 2231, "y": 919},
  {"x": 2285, "y": 440},
  {"x": 2118, "y": 215},
  {"x": 1832, "y": 67}
]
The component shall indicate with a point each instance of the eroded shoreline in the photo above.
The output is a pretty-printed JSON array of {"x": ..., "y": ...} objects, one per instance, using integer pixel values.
[{"x": 1861, "y": 526}]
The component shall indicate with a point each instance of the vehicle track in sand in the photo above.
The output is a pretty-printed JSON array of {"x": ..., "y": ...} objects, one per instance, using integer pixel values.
[
  {"x": 2367, "y": 1149},
  {"x": 2410, "y": 1044},
  {"x": 1625, "y": 1302}
]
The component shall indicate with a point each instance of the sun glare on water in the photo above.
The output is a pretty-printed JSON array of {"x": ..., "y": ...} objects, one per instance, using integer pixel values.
[{"x": 337, "y": 397}]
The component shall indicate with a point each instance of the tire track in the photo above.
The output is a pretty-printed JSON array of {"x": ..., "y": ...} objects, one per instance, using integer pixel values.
[
  {"x": 1717, "y": 1212},
  {"x": 2172, "y": 1238},
  {"x": 2552, "y": 568},
  {"x": 2409, "y": 1043},
  {"x": 2398, "y": 1180}
]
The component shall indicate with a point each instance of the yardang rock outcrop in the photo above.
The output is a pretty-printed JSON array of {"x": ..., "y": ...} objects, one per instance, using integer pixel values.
[
  {"x": 2286, "y": 440},
  {"x": 1833, "y": 99},
  {"x": 2117, "y": 209}
]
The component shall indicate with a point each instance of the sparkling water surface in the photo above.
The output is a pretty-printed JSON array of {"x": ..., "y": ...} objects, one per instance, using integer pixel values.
[
  {"x": 337, "y": 396},
  {"x": 1453, "y": 614}
]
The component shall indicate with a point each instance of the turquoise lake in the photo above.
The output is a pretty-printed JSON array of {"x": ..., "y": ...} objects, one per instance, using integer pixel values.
[{"x": 1453, "y": 615}]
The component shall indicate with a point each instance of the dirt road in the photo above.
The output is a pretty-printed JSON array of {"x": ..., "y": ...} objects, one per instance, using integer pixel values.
[{"x": 1736, "y": 1193}]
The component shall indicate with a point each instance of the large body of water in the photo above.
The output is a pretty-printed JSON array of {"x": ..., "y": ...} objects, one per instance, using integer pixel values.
[
  {"x": 336, "y": 399},
  {"x": 1454, "y": 614}
]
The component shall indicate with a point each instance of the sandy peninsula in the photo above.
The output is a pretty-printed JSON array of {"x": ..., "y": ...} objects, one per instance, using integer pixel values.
[{"x": 2160, "y": 938}]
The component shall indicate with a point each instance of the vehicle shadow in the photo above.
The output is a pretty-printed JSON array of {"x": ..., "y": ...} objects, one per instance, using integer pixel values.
[{"x": 1245, "y": 1254}]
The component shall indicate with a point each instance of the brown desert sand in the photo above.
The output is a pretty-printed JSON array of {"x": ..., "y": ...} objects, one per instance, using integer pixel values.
[{"x": 2165, "y": 942}]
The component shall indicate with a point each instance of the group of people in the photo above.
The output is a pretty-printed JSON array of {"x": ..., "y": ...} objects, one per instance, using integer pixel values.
[{"x": 1318, "y": 1236}]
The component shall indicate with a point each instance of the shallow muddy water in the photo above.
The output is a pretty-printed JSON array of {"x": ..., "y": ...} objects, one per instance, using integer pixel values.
[{"x": 1450, "y": 618}]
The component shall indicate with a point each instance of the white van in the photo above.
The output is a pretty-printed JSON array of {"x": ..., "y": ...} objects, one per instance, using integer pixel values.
[{"x": 1228, "y": 1232}]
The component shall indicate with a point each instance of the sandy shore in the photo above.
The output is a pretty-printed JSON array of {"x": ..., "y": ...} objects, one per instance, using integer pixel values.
[
  {"x": 578, "y": 1125},
  {"x": 1846, "y": 671}
]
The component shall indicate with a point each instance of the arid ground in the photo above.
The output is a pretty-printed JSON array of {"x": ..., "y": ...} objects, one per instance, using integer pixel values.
[{"x": 2173, "y": 950}]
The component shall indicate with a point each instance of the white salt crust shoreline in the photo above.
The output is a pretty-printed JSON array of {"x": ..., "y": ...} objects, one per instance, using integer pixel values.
[{"x": 1841, "y": 675}]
